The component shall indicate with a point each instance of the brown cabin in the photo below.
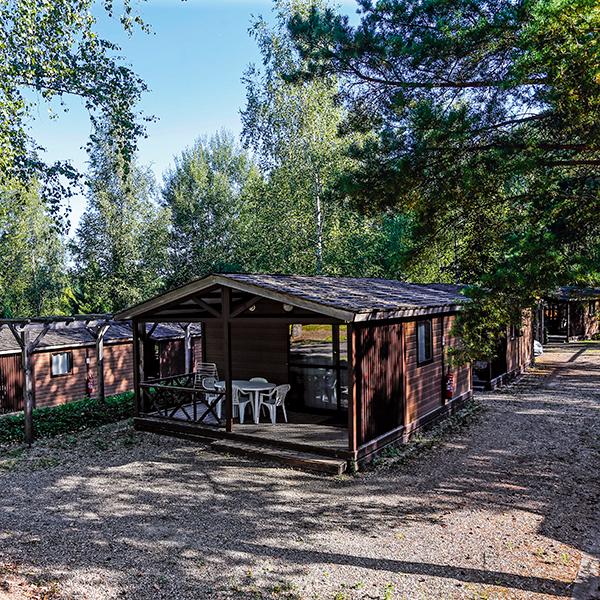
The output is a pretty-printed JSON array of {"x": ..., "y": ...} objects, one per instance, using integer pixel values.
[
  {"x": 64, "y": 364},
  {"x": 366, "y": 360},
  {"x": 514, "y": 355},
  {"x": 570, "y": 314}
]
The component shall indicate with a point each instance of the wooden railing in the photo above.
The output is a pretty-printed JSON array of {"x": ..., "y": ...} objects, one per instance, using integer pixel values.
[{"x": 177, "y": 398}]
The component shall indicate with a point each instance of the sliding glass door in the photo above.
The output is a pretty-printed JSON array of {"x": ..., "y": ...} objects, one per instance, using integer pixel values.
[{"x": 318, "y": 364}]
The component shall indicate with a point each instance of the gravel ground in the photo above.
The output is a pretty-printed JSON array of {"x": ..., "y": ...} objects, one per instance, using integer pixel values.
[{"x": 500, "y": 509}]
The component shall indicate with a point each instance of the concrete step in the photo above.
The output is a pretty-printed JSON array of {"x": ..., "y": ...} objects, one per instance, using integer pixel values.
[{"x": 305, "y": 461}]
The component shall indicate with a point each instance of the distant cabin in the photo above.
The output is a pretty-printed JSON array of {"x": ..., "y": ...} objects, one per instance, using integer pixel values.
[{"x": 64, "y": 363}]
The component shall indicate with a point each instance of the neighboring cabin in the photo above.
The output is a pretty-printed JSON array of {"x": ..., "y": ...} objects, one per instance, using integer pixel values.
[
  {"x": 570, "y": 314},
  {"x": 64, "y": 364}
]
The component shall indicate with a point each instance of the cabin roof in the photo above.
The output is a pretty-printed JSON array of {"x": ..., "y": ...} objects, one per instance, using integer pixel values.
[
  {"x": 77, "y": 335},
  {"x": 345, "y": 298},
  {"x": 573, "y": 292}
]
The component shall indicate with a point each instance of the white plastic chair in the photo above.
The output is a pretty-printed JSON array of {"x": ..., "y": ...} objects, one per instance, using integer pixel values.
[
  {"x": 259, "y": 379},
  {"x": 273, "y": 399},
  {"x": 240, "y": 401}
]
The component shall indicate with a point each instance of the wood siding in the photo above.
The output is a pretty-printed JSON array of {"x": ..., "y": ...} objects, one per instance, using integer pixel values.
[
  {"x": 519, "y": 348},
  {"x": 172, "y": 358},
  {"x": 118, "y": 373},
  {"x": 423, "y": 384},
  {"x": 591, "y": 323},
  {"x": 11, "y": 383},
  {"x": 380, "y": 404},
  {"x": 257, "y": 349},
  {"x": 462, "y": 374}
]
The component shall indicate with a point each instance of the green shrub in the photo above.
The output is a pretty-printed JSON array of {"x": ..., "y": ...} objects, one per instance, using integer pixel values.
[{"x": 65, "y": 418}]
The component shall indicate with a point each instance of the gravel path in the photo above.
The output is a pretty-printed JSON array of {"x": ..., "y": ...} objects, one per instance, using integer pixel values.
[{"x": 501, "y": 509}]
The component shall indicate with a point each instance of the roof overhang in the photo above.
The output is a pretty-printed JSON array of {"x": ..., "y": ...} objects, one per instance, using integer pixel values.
[
  {"x": 200, "y": 285},
  {"x": 146, "y": 309}
]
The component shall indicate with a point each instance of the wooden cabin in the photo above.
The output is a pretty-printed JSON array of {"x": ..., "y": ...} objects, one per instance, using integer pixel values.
[
  {"x": 366, "y": 360},
  {"x": 64, "y": 364},
  {"x": 570, "y": 314},
  {"x": 514, "y": 355}
]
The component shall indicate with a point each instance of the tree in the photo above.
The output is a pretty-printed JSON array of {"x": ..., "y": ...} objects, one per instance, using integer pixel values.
[
  {"x": 300, "y": 224},
  {"x": 204, "y": 193},
  {"x": 52, "y": 48},
  {"x": 32, "y": 277},
  {"x": 120, "y": 246},
  {"x": 487, "y": 132}
]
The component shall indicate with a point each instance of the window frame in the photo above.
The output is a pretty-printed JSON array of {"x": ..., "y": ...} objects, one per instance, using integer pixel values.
[
  {"x": 69, "y": 353},
  {"x": 427, "y": 361}
]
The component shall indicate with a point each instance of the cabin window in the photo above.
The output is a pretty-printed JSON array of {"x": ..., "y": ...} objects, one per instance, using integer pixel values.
[
  {"x": 424, "y": 342},
  {"x": 62, "y": 363},
  {"x": 592, "y": 309}
]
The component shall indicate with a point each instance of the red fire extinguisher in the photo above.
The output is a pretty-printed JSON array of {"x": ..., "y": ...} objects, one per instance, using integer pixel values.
[{"x": 449, "y": 386}]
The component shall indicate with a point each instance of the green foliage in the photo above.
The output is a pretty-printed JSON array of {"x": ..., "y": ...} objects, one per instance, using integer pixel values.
[
  {"x": 204, "y": 194},
  {"x": 70, "y": 417},
  {"x": 296, "y": 221},
  {"x": 51, "y": 48},
  {"x": 121, "y": 244},
  {"x": 487, "y": 135},
  {"x": 32, "y": 277}
]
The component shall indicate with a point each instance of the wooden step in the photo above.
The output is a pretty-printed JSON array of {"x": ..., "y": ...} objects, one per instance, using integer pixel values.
[{"x": 305, "y": 461}]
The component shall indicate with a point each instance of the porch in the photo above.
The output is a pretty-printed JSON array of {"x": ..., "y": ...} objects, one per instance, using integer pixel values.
[{"x": 345, "y": 347}]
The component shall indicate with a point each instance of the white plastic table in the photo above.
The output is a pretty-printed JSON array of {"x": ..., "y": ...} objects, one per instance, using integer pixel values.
[{"x": 254, "y": 388}]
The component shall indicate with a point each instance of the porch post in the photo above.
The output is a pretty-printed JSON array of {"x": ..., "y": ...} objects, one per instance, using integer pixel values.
[
  {"x": 188, "y": 348},
  {"x": 226, "y": 310},
  {"x": 28, "y": 388},
  {"x": 139, "y": 331},
  {"x": 335, "y": 331},
  {"x": 100, "y": 361},
  {"x": 568, "y": 320},
  {"x": 353, "y": 387}
]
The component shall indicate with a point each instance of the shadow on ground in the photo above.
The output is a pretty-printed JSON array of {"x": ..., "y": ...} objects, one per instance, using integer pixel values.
[{"x": 155, "y": 516}]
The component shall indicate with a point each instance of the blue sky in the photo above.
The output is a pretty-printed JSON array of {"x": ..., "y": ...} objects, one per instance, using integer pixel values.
[{"x": 192, "y": 63}]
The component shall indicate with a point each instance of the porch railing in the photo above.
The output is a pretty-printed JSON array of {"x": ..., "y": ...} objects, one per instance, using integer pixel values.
[{"x": 177, "y": 398}]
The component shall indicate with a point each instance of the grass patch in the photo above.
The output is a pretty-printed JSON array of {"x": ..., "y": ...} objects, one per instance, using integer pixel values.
[
  {"x": 66, "y": 418},
  {"x": 422, "y": 442}
]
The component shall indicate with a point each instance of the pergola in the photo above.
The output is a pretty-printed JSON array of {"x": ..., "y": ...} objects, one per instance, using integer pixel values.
[{"x": 30, "y": 332}]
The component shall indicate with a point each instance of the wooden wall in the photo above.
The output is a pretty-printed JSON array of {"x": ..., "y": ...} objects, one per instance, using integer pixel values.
[
  {"x": 257, "y": 349},
  {"x": 380, "y": 403},
  {"x": 392, "y": 389},
  {"x": 118, "y": 373},
  {"x": 463, "y": 375},
  {"x": 11, "y": 383},
  {"x": 172, "y": 357},
  {"x": 423, "y": 384},
  {"x": 591, "y": 323},
  {"x": 519, "y": 348}
]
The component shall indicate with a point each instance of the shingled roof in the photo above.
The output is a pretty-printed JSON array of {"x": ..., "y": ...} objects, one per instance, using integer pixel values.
[
  {"x": 346, "y": 298},
  {"x": 78, "y": 336},
  {"x": 575, "y": 293}
]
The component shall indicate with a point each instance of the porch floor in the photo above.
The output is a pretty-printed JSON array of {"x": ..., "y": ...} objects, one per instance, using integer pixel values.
[{"x": 302, "y": 429}]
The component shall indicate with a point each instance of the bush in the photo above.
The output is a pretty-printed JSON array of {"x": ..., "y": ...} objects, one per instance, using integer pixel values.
[{"x": 65, "y": 418}]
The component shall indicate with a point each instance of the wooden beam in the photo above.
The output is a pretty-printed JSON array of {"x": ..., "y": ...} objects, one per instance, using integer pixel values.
[
  {"x": 187, "y": 347},
  {"x": 353, "y": 387},
  {"x": 139, "y": 333},
  {"x": 207, "y": 307},
  {"x": 335, "y": 336},
  {"x": 226, "y": 307},
  {"x": 100, "y": 394},
  {"x": 241, "y": 307}
]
